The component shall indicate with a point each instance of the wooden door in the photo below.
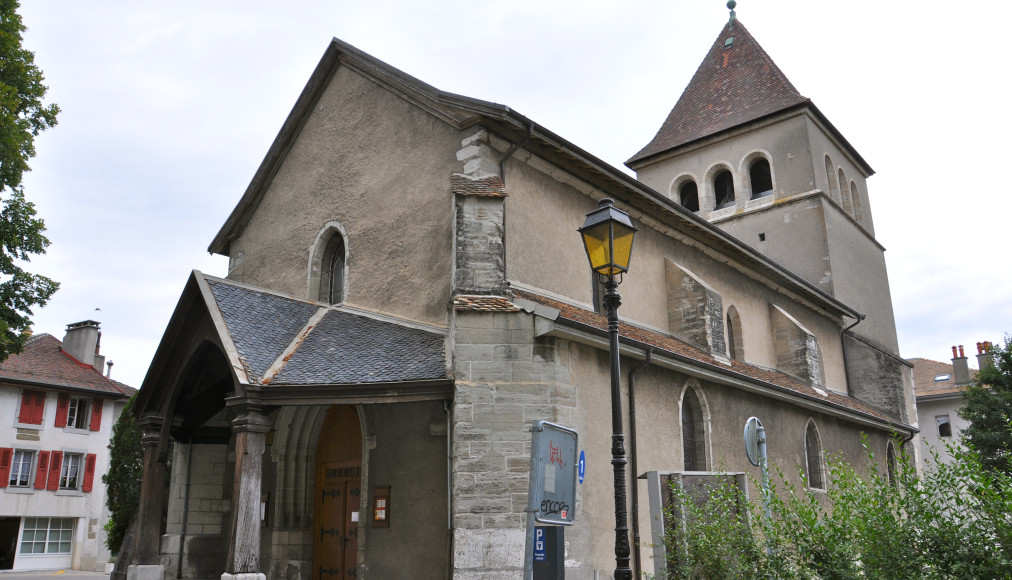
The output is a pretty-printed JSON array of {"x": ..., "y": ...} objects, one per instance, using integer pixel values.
[{"x": 338, "y": 494}]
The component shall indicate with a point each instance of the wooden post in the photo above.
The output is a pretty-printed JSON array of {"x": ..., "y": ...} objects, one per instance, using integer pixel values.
[
  {"x": 152, "y": 501},
  {"x": 250, "y": 427}
]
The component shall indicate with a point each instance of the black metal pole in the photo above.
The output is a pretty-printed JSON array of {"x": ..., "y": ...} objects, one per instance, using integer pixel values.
[{"x": 612, "y": 300}]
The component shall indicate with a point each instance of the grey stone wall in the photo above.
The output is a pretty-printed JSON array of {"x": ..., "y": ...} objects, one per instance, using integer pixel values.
[
  {"x": 876, "y": 377},
  {"x": 480, "y": 256},
  {"x": 505, "y": 380},
  {"x": 695, "y": 311},
  {"x": 210, "y": 503},
  {"x": 797, "y": 349}
]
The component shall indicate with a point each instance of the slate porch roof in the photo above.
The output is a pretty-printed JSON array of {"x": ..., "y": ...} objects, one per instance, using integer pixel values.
[
  {"x": 671, "y": 346},
  {"x": 283, "y": 340},
  {"x": 44, "y": 364}
]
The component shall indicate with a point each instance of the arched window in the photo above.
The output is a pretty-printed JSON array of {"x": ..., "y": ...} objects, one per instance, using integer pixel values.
[
  {"x": 693, "y": 432},
  {"x": 834, "y": 189},
  {"x": 332, "y": 271},
  {"x": 688, "y": 196},
  {"x": 855, "y": 196},
  {"x": 891, "y": 463},
  {"x": 735, "y": 347},
  {"x": 761, "y": 178},
  {"x": 848, "y": 206},
  {"x": 813, "y": 456},
  {"x": 723, "y": 189}
]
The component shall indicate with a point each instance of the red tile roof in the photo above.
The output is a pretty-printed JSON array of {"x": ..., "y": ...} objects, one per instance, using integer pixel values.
[
  {"x": 44, "y": 363},
  {"x": 667, "y": 343},
  {"x": 486, "y": 186},
  {"x": 484, "y": 304},
  {"x": 735, "y": 84},
  {"x": 925, "y": 372}
]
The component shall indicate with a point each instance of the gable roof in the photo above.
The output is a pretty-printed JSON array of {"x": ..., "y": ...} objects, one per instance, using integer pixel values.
[
  {"x": 737, "y": 83},
  {"x": 461, "y": 111},
  {"x": 44, "y": 364}
]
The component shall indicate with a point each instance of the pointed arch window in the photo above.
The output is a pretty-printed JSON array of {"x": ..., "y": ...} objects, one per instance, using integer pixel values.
[
  {"x": 834, "y": 188},
  {"x": 693, "y": 432},
  {"x": 855, "y": 196},
  {"x": 761, "y": 178},
  {"x": 723, "y": 189},
  {"x": 848, "y": 205},
  {"x": 688, "y": 196},
  {"x": 332, "y": 272},
  {"x": 891, "y": 463},
  {"x": 813, "y": 456}
]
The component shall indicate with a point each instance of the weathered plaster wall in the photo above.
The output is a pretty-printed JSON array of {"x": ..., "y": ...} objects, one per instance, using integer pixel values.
[{"x": 380, "y": 167}]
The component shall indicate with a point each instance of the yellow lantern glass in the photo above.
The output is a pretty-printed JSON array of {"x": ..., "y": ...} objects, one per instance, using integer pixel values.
[{"x": 608, "y": 239}]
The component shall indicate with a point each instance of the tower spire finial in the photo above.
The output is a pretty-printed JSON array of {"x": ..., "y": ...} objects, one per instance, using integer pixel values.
[{"x": 730, "y": 6}]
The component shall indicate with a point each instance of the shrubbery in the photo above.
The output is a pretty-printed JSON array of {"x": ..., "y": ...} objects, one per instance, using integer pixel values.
[
  {"x": 954, "y": 522},
  {"x": 123, "y": 481}
]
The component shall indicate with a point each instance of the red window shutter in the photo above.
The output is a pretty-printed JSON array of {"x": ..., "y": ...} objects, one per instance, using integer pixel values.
[
  {"x": 96, "y": 414},
  {"x": 32, "y": 405},
  {"x": 89, "y": 472},
  {"x": 55, "y": 464},
  {"x": 6, "y": 454},
  {"x": 41, "y": 469},
  {"x": 62, "y": 408}
]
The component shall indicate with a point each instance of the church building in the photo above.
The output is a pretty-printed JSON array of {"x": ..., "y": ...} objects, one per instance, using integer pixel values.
[{"x": 407, "y": 293}]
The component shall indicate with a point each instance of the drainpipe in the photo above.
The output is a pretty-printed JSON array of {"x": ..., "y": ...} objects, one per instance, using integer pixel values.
[
  {"x": 637, "y": 564},
  {"x": 516, "y": 147},
  {"x": 449, "y": 490},
  {"x": 843, "y": 343}
]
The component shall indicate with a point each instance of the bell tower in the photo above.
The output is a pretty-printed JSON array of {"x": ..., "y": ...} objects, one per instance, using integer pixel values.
[{"x": 746, "y": 151}]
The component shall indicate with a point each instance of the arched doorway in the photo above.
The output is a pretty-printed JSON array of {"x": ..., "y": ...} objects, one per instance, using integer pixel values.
[{"x": 338, "y": 492}]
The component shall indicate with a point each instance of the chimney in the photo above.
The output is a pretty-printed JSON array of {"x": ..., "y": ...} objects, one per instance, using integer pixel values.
[
  {"x": 108, "y": 372},
  {"x": 960, "y": 370},
  {"x": 985, "y": 357},
  {"x": 82, "y": 342}
]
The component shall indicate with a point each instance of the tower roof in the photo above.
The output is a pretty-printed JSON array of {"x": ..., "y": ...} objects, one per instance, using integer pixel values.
[{"x": 736, "y": 83}]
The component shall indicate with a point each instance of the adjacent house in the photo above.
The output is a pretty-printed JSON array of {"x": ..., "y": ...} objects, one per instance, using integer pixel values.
[
  {"x": 57, "y": 410},
  {"x": 939, "y": 387},
  {"x": 407, "y": 292}
]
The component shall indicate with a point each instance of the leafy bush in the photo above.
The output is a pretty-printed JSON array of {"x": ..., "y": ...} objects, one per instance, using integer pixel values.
[
  {"x": 954, "y": 522},
  {"x": 123, "y": 481}
]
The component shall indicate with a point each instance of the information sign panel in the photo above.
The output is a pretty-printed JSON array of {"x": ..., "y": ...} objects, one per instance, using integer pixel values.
[{"x": 554, "y": 473}]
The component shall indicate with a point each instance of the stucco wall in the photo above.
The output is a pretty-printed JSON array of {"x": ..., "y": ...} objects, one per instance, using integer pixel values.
[
  {"x": 927, "y": 411},
  {"x": 379, "y": 167}
]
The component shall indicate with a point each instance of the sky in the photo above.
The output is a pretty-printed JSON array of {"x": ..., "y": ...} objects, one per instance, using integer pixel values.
[{"x": 168, "y": 108}]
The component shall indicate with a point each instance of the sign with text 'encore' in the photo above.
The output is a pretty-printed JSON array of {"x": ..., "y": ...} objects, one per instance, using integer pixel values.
[{"x": 554, "y": 469}]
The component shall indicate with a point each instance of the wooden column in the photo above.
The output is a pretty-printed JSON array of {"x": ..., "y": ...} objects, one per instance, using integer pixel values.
[
  {"x": 152, "y": 501},
  {"x": 251, "y": 427}
]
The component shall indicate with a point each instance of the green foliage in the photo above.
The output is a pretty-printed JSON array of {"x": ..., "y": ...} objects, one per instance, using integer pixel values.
[
  {"x": 987, "y": 405},
  {"x": 22, "y": 117},
  {"x": 123, "y": 481},
  {"x": 954, "y": 522}
]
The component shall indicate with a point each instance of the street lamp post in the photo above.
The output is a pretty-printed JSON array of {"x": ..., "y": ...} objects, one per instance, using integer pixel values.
[{"x": 608, "y": 239}]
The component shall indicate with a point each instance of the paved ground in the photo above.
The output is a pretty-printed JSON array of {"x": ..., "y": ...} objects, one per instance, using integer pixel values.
[{"x": 51, "y": 575}]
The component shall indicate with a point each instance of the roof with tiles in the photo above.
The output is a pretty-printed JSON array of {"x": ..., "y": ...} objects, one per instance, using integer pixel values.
[
  {"x": 43, "y": 363},
  {"x": 292, "y": 341},
  {"x": 927, "y": 373},
  {"x": 736, "y": 83},
  {"x": 484, "y": 304},
  {"x": 485, "y": 186},
  {"x": 666, "y": 343}
]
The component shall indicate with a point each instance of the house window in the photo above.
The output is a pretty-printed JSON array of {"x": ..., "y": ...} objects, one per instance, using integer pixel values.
[
  {"x": 688, "y": 196},
  {"x": 944, "y": 427},
  {"x": 78, "y": 416},
  {"x": 723, "y": 189},
  {"x": 21, "y": 468},
  {"x": 70, "y": 472},
  {"x": 761, "y": 178},
  {"x": 33, "y": 403},
  {"x": 813, "y": 455},
  {"x": 332, "y": 274},
  {"x": 891, "y": 463},
  {"x": 47, "y": 536},
  {"x": 693, "y": 432}
]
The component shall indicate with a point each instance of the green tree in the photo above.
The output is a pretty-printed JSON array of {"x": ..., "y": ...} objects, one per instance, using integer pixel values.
[
  {"x": 123, "y": 481},
  {"x": 22, "y": 117},
  {"x": 987, "y": 405}
]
